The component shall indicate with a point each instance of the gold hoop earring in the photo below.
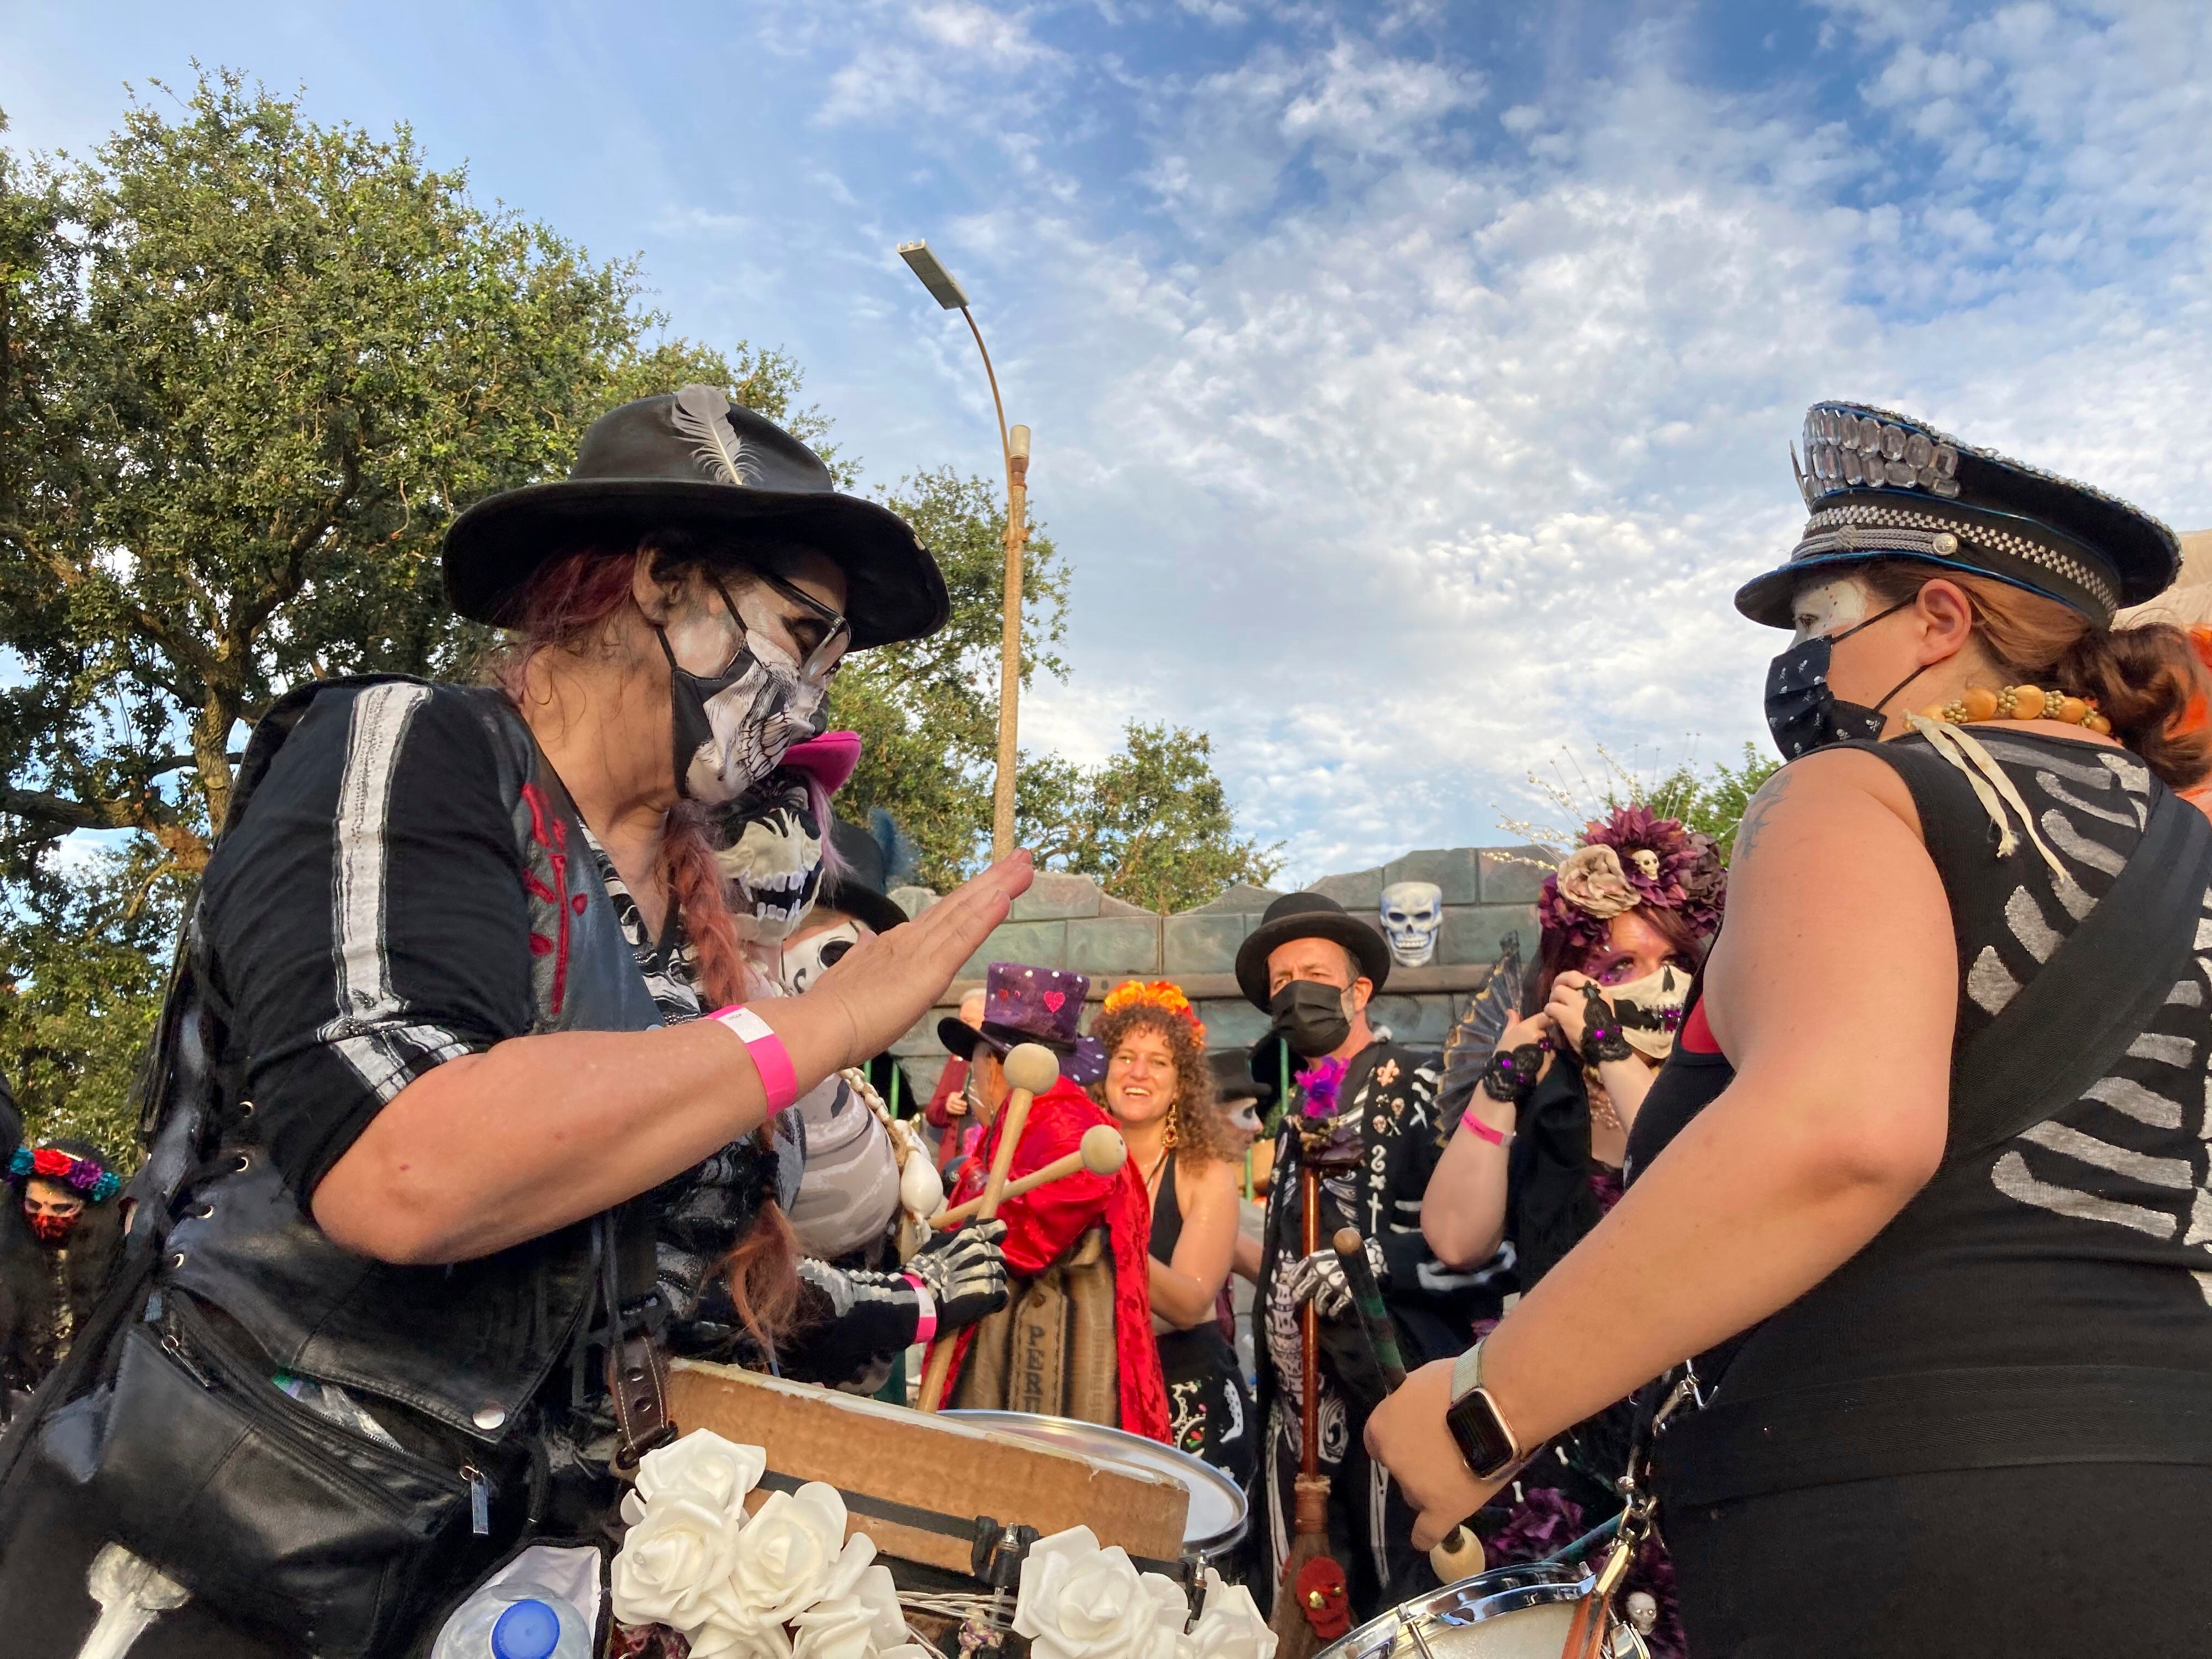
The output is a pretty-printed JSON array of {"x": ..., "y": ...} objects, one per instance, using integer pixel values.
[{"x": 1175, "y": 1117}]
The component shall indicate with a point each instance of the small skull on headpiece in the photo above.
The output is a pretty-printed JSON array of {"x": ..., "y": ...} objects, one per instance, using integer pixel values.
[{"x": 1412, "y": 913}]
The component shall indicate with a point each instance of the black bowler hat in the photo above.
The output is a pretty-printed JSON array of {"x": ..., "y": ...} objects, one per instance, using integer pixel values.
[
  {"x": 1887, "y": 486},
  {"x": 1307, "y": 915},
  {"x": 697, "y": 460}
]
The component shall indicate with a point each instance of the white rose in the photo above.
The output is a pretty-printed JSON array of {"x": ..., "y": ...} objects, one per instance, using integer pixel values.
[
  {"x": 789, "y": 1550},
  {"x": 1079, "y": 1601},
  {"x": 701, "y": 1468},
  {"x": 862, "y": 1623},
  {"x": 674, "y": 1565},
  {"x": 1230, "y": 1626}
]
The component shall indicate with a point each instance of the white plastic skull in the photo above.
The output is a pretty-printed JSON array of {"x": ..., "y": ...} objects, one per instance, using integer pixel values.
[{"x": 1412, "y": 912}]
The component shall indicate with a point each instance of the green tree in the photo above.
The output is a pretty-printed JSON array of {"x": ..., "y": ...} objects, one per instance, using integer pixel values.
[
  {"x": 253, "y": 365},
  {"x": 249, "y": 366},
  {"x": 928, "y": 711},
  {"x": 1152, "y": 825},
  {"x": 1711, "y": 800}
]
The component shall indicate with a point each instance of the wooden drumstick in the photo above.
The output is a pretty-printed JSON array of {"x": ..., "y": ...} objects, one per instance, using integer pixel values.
[
  {"x": 1102, "y": 1152},
  {"x": 1460, "y": 1554},
  {"x": 1030, "y": 1069}
]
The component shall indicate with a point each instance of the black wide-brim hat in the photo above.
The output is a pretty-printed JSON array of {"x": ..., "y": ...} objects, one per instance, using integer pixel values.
[
  {"x": 1882, "y": 485},
  {"x": 696, "y": 460},
  {"x": 1307, "y": 915},
  {"x": 858, "y": 889}
]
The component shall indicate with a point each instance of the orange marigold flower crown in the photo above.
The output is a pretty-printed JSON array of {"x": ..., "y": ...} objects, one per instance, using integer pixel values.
[{"x": 1163, "y": 994}]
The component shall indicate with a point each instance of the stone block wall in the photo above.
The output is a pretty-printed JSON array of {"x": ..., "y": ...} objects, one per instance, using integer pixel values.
[{"x": 1066, "y": 922}]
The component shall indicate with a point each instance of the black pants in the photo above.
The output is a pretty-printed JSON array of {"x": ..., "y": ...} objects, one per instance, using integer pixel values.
[{"x": 2056, "y": 1561}]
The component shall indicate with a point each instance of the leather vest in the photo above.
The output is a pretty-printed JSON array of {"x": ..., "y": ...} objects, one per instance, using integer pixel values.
[{"x": 468, "y": 1344}]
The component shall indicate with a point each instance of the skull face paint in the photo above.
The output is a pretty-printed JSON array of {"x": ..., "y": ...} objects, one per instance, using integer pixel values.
[
  {"x": 1827, "y": 608},
  {"x": 1412, "y": 913},
  {"x": 815, "y": 955}
]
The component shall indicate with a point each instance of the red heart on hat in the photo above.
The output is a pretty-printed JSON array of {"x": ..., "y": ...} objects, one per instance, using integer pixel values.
[{"x": 1054, "y": 998}]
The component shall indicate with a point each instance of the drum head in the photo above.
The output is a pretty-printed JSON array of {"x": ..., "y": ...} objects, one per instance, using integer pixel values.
[
  {"x": 1510, "y": 1613},
  {"x": 1216, "y": 1521}
]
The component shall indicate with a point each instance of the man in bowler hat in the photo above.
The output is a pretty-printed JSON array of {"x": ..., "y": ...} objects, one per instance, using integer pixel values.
[{"x": 1316, "y": 969}]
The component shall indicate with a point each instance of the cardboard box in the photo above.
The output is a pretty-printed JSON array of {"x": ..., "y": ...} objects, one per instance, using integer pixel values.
[{"x": 881, "y": 1453}]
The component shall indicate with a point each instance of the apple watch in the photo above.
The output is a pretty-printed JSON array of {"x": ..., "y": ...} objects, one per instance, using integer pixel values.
[{"x": 1484, "y": 1439}]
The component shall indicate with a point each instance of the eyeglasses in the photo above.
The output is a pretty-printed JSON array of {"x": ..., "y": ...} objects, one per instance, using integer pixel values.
[{"x": 816, "y": 662}]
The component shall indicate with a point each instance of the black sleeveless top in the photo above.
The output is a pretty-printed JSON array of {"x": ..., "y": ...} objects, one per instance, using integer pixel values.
[{"x": 2050, "y": 1300}]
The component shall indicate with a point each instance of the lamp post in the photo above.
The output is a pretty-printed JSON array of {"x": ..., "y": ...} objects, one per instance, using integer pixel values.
[{"x": 1014, "y": 446}]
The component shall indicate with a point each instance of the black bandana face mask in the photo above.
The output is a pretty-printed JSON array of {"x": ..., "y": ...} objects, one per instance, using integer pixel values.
[
  {"x": 1804, "y": 712},
  {"x": 1310, "y": 1016}
]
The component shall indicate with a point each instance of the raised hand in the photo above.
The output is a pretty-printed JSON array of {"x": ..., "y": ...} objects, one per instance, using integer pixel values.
[{"x": 885, "y": 984}]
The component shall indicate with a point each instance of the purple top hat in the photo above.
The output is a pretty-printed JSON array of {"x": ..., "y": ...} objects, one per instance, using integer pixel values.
[{"x": 1022, "y": 1004}]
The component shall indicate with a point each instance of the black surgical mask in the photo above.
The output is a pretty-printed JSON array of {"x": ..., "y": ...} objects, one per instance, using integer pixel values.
[
  {"x": 1310, "y": 1018},
  {"x": 1804, "y": 712}
]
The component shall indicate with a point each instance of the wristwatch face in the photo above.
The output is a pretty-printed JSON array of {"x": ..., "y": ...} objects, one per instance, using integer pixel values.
[{"x": 1481, "y": 1434}]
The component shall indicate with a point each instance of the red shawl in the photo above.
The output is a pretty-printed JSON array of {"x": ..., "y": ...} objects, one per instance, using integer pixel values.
[{"x": 1041, "y": 1225}]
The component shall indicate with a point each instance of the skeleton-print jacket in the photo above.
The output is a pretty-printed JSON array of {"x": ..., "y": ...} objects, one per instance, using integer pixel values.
[{"x": 1392, "y": 1092}]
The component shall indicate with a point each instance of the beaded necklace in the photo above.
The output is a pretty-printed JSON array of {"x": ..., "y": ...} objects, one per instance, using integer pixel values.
[{"x": 2019, "y": 702}]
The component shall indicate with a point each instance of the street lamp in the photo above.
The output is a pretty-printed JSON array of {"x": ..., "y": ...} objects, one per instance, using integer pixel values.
[{"x": 1015, "y": 448}]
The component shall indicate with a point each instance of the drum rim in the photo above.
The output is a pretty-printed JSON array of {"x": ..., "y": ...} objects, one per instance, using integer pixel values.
[
  {"x": 1534, "y": 1584},
  {"x": 1075, "y": 1429}
]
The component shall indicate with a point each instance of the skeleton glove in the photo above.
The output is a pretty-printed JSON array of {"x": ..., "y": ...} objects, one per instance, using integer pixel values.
[
  {"x": 1320, "y": 1279},
  {"x": 965, "y": 1272}
]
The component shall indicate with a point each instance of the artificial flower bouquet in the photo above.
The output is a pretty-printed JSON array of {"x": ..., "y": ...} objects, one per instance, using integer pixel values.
[
  {"x": 786, "y": 1582},
  {"x": 782, "y": 1583}
]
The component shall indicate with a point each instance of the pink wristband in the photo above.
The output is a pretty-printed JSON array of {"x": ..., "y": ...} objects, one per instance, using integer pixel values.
[
  {"x": 771, "y": 1058},
  {"x": 926, "y": 1327},
  {"x": 1483, "y": 1131}
]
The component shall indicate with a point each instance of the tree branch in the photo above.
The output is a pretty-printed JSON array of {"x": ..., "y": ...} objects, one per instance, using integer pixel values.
[{"x": 60, "y": 812}]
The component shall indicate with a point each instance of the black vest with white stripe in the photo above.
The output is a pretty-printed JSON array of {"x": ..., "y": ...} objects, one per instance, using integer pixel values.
[{"x": 468, "y": 1344}]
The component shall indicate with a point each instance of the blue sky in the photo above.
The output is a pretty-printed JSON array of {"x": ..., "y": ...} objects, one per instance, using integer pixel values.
[{"x": 1410, "y": 381}]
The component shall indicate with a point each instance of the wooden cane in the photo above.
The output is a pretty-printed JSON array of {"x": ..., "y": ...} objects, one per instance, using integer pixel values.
[
  {"x": 1102, "y": 1152},
  {"x": 1031, "y": 1070}
]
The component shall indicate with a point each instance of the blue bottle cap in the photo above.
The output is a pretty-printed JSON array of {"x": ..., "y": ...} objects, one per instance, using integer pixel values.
[{"x": 528, "y": 1630}]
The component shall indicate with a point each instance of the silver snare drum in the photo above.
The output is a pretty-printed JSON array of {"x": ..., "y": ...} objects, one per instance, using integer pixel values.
[
  {"x": 1510, "y": 1613},
  {"x": 1216, "y": 1521}
]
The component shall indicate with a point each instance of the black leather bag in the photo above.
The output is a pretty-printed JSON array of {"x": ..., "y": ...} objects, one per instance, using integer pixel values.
[{"x": 276, "y": 1517}]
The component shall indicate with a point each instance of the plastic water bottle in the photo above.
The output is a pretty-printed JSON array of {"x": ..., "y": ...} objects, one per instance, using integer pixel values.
[{"x": 515, "y": 1621}]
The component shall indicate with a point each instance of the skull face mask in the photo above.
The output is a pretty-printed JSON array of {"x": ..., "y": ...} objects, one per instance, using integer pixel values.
[
  {"x": 731, "y": 728},
  {"x": 1650, "y": 1010}
]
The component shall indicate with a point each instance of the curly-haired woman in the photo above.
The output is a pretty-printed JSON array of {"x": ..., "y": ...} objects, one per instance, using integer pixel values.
[{"x": 1159, "y": 1090}]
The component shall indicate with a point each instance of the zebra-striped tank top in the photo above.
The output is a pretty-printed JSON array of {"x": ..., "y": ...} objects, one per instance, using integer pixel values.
[{"x": 2087, "y": 1239}]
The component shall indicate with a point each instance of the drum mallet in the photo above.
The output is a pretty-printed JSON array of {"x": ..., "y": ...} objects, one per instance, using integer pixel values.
[
  {"x": 1460, "y": 1555},
  {"x": 1102, "y": 1152},
  {"x": 1031, "y": 1070}
]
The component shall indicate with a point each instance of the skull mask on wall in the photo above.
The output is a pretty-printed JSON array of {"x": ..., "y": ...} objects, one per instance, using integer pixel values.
[{"x": 1412, "y": 913}]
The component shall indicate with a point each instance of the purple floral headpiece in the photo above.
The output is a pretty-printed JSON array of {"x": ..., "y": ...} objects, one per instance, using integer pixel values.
[{"x": 1634, "y": 858}]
